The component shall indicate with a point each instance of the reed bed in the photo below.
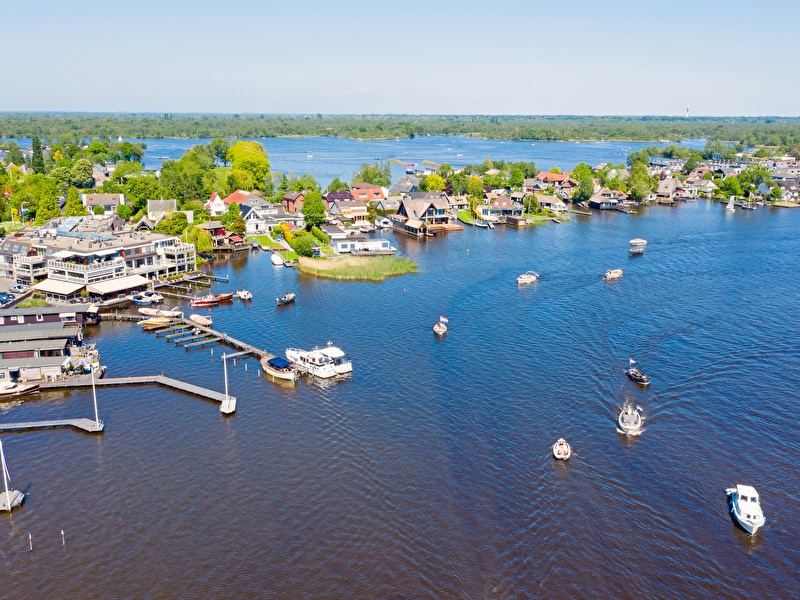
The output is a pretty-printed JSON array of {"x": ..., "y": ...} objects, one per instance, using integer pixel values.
[{"x": 357, "y": 268}]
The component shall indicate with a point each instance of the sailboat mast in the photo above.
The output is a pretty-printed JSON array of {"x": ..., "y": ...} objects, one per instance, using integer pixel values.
[{"x": 5, "y": 479}]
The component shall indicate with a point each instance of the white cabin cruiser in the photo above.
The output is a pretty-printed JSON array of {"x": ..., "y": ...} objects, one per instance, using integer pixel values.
[
  {"x": 746, "y": 508},
  {"x": 630, "y": 421},
  {"x": 340, "y": 360},
  {"x": 316, "y": 362},
  {"x": 637, "y": 241},
  {"x": 528, "y": 277}
]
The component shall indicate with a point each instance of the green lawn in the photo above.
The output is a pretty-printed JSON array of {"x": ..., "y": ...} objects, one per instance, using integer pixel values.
[
  {"x": 466, "y": 215},
  {"x": 265, "y": 240},
  {"x": 221, "y": 176}
]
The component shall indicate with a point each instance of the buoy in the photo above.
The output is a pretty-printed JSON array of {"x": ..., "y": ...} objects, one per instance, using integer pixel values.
[
  {"x": 245, "y": 367},
  {"x": 63, "y": 538},
  {"x": 30, "y": 542},
  {"x": 212, "y": 352}
]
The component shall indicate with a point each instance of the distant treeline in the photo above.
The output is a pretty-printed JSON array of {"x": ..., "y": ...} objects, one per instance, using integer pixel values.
[{"x": 783, "y": 132}]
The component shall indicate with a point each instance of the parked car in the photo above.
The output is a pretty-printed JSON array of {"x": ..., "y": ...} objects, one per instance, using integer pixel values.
[
  {"x": 18, "y": 288},
  {"x": 5, "y": 298}
]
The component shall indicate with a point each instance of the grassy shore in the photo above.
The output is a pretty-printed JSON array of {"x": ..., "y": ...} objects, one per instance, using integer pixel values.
[
  {"x": 265, "y": 240},
  {"x": 358, "y": 268},
  {"x": 466, "y": 216}
]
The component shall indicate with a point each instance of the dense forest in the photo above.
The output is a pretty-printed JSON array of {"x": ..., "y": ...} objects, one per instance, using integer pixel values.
[{"x": 781, "y": 132}]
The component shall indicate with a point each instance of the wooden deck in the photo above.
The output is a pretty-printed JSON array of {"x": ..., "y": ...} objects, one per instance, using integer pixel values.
[
  {"x": 83, "y": 424},
  {"x": 243, "y": 347}
]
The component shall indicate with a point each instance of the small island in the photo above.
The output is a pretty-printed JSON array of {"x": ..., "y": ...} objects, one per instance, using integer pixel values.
[{"x": 357, "y": 268}]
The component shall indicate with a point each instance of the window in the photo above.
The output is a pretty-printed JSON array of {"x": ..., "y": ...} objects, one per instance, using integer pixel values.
[{"x": 39, "y": 318}]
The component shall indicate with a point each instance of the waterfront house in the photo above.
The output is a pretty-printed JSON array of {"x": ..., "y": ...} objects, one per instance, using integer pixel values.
[
  {"x": 667, "y": 187},
  {"x": 216, "y": 230},
  {"x": 388, "y": 205},
  {"x": 332, "y": 197},
  {"x": 49, "y": 321},
  {"x": 238, "y": 197},
  {"x": 499, "y": 209},
  {"x": 368, "y": 192},
  {"x": 431, "y": 211},
  {"x": 550, "y": 202},
  {"x": 334, "y": 233},
  {"x": 789, "y": 189},
  {"x": 293, "y": 201},
  {"x": 358, "y": 244},
  {"x": 405, "y": 185},
  {"x": 552, "y": 179},
  {"x": 457, "y": 203},
  {"x": 354, "y": 211},
  {"x": 606, "y": 199},
  {"x": 215, "y": 206}
]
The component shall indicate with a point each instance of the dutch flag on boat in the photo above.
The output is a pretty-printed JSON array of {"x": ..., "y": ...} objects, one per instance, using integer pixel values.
[
  {"x": 639, "y": 408},
  {"x": 631, "y": 361},
  {"x": 443, "y": 319}
]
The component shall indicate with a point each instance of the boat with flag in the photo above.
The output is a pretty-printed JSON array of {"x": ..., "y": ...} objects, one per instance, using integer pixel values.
[
  {"x": 441, "y": 328},
  {"x": 561, "y": 450},
  {"x": 635, "y": 374},
  {"x": 629, "y": 420}
]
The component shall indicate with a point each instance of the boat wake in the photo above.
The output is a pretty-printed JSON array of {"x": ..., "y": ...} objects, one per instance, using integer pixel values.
[{"x": 630, "y": 433}]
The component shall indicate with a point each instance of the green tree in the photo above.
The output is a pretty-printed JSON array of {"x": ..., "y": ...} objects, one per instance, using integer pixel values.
[
  {"x": 251, "y": 157},
  {"x": 240, "y": 180},
  {"x": 81, "y": 174},
  {"x": 555, "y": 170},
  {"x": 37, "y": 158},
  {"x": 584, "y": 191},
  {"x": 641, "y": 156},
  {"x": 74, "y": 206},
  {"x": 517, "y": 178},
  {"x": 375, "y": 174},
  {"x": 203, "y": 243},
  {"x": 238, "y": 225},
  {"x": 14, "y": 154},
  {"x": 48, "y": 209},
  {"x": 730, "y": 186},
  {"x": 173, "y": 224},
  {"x": 228, "y": 216},
  {"x": 445, "y": 171},
  {"x": 124, "y": 170},
  {"x": 639, "y": 181},
  {"x": 475, "y": 186},
  {"x": 99, "y": 210},
  {"x": 337, "y": 185},
  {"x": 313, "y": 210},
  {"x": 62, "y": 178},
  {"x": 220, "y": 148},
  {"x": 124, "y": 211},
  {"x": 433, "y": 182},
  {"x": 582, "y": 170},
  {"x": 776, "y": 193},
  {"x": 303, "y": 245},
  {"x": 532, "y": 204}
]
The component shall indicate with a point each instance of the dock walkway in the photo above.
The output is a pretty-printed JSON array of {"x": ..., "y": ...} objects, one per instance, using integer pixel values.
[
  {"x": 244, "y": 348},
  {"x": 83, "y": 424}
]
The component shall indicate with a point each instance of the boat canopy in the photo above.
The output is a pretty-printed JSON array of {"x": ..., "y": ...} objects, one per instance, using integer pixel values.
[{"x": 279, "y": 363}]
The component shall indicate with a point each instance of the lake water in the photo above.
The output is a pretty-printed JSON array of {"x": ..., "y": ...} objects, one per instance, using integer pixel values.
[{"x": 427, "y": 473}]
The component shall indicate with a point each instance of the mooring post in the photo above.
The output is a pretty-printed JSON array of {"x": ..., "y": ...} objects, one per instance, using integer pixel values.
[
  {"x": 63, "y": 538},
  {"x": 30, "y": 542}
]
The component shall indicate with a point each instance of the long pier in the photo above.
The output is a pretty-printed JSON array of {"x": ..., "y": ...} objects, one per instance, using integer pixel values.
[
  {"x": 243, "y": 347},
  {"x": 83, "y": 424},
  {"x": 227, "y": 404}
]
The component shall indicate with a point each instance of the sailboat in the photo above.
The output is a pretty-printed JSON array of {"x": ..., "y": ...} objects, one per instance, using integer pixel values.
[
  {"x": 9, "y": 499},
  {"x": 730, "y": 207}
]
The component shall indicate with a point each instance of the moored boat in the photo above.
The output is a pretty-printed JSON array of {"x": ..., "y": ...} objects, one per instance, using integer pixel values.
[
  {"x": 527, "y": 277},
  {"x": 158, "y": 312},
  {"x": 340, "y": 360},
  {"x": 244, "y": 295},
  {"x": 287, "y": 298},
  {"x": 11, "y": 389},
  {"x": 224, "y": 297},
  {"x": 152, "y": 296},
  {"x": 207, "y": 300},
  {"x": 613, "y": 274},
  {"x": 279, "y": 368},
  {"x": 637, "y": 241},
  {"x": 629, "y": 420},
  {"x": 201, "y": 320},
  {"x": 315, "y": 362},
  {"x": 154, "y": 322},
  {"x": 562, "y": 450},
  {"x": 140, "y": 300},
  {"x": 276, "y": 259},
  {"x": 746, "y": 507}
]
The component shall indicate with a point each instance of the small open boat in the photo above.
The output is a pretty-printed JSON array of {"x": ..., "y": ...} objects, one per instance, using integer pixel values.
[
  {"x": 287, "y": 298},
  {"x": 10, "y": 389},
  {"x": 158, "y": 312},
  {"x": 279, "y": 368},
  {"x": 152, "y": 296},
  {"x": 440, "y": 329},
  {"x": 201, "y": 320},
  {"x": 636, "y": 375},
  {"x": 630, "y": 421},
  {"x": 527, "y": 277},
  {"x": 637, "y": 241},
  {"x": 140, "y": 300},
  {"x": 561, "y": 450},
  {"x": 613, "y": 274},
  {"x": 154, "y": 322},
  {"x": 207, "y": 300},
  {"x": 224, "y": 297},
  {"x": 636, "y": 251},
  {"x": 746, "y": 508},
  {"x": 244, "y": 295}
]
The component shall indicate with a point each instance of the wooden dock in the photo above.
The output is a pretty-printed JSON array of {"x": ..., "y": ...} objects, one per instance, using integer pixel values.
[
  {"x": 82, "y": 424},
  {"x": 169, "y": 382},
  {"x": 243, "y": 347}
]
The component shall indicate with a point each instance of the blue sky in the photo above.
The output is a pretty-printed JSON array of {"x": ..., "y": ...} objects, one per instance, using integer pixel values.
[{"x": 352, "y": 56}]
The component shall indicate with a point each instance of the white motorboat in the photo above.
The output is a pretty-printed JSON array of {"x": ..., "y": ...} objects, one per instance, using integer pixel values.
[
  {"x": 153, "y": 297},
  {"x": 158, "y": 312},
  {"x": 630, "y": 421},
  {"x": 746, "y": 507},
  {"x": 366, "y": 227},
  {"x": 10, "y": 389},
  {"x": 613, "y": 274},
  {"x": 279, "y": 368},
  {"x": 152, "y": 322},
  {"x": 276, "y": 259},
  {"x": 244, "y": 295},
  {"x": 314, "y": 361},
  {"x": 340, "y": 360},
  {"x": 638, "y": 242},
  {"x": 527, "y": 277},
  {"x": 561, "y": 450}
]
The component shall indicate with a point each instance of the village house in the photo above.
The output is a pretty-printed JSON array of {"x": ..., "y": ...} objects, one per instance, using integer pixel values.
[
  {"x": 354, "y": 211},
  {"x": 293, "y": 201},
  {"x": 261, "y": 216},
  {"x": 550, "y": 202},
  {"x": 368, "y": 192},
  {"x": 499, "y": 209},
  {"x": 332, "y": 197},
  {"x": 388, "y": 205},
  {"x": 109, "y": 202},
  {"x": 158, "y": 209},
  {"x": 238, "y": 197},
  {"x": 405, "y": 185},
  {"x": 215, "y": 206}
]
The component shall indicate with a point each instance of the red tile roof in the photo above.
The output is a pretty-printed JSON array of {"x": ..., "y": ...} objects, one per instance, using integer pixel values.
[{"x": 238, "y": 196}]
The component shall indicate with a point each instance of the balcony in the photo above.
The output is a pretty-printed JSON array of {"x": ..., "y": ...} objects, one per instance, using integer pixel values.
[{"x": 85, "y": 274}]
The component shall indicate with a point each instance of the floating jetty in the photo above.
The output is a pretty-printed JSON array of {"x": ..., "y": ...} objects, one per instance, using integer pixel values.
[
  {"x": 82, "y": 424},
  {"x": 227, "y": 403}
]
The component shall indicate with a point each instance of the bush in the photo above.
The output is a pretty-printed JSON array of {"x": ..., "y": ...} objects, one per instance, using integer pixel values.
[
  {"x": 287, "y": 232},
  {"x": 303, "y": 245},
  {"x": 319, "y": 234}
]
